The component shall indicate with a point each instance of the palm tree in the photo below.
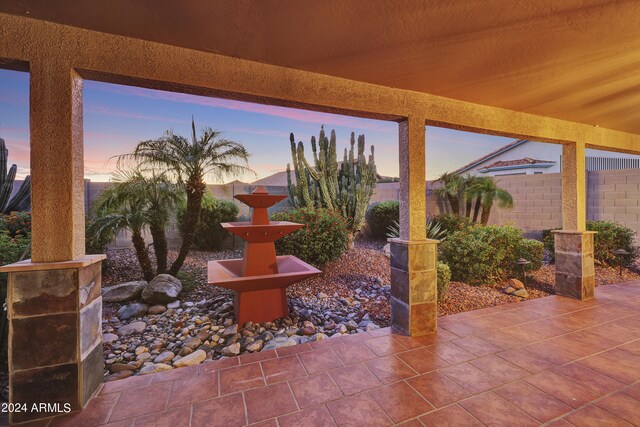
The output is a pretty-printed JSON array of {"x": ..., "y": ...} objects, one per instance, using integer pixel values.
[
  {"x": 453, "y": 191},
  {"x": 486, "y": 193},
  {"x": 189, "y": 162},
  {"x": 136, "y": 203}
]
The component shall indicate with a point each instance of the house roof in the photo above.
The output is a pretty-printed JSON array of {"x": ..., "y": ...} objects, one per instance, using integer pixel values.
[
  {"x": 490, "y": 155},
  {"x": 518, "y": 164}
]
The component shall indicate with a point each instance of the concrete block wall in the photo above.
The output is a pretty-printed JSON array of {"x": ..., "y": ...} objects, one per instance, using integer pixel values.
[{"x": 611, "y": 195}]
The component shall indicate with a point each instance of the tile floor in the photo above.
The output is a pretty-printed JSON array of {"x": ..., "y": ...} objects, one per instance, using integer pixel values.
[{"x": 551, "y": 361}]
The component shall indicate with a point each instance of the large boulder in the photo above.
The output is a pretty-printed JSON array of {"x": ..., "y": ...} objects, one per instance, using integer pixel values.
[
  {"x": 123, "y": 292},
  {"x": 163, "y": 289}
]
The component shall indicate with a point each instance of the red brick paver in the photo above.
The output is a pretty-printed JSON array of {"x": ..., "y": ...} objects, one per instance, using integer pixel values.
[{"x": 552, "y": 361}]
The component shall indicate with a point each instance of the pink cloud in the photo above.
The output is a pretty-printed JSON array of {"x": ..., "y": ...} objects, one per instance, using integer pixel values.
[{"x": 288, "y": 113}]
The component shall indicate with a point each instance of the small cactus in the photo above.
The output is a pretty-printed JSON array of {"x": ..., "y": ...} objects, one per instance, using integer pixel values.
[
  {"x": 21, "y": 201},
  {"x": 345, "y": 187}
]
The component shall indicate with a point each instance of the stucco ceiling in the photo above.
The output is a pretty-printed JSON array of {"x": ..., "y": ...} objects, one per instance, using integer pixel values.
[{"x": 577, "y": 60}]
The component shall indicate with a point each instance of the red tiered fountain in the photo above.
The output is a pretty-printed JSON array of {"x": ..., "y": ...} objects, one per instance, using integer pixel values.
[{"x": 260, "y": 278}]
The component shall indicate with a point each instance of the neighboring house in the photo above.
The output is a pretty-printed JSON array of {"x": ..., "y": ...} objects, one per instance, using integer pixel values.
[{"x": 524, "y": 157}]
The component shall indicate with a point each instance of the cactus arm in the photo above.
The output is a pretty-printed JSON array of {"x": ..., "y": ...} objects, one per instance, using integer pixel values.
[{"x": 22, "y": 199}]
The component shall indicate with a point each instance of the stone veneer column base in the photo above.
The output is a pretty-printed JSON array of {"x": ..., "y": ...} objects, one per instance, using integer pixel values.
[
  {"x": 575, "y": 271},
  {"x": 55, "y": 334},
  {"x": 414, "y": 291}
]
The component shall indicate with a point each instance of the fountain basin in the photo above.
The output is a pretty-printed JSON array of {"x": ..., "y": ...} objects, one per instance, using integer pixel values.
[
  {"x": 259, "y": 298},
  {"x": 264, "y": 233},
  {"x": 260, "y": 200},
  {"x": 228, "y": 274}
]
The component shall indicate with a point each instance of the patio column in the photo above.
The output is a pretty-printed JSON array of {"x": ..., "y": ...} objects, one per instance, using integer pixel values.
[
  {"x": 54, "y": 302},
  {"x": 413, "y": 257},
  {"x": 575, "y": 273}
]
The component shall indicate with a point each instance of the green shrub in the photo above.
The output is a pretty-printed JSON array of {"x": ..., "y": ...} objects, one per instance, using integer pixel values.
[
  {"x": 451, "y": 223},
  {"x": 482, "y": 254},
  {"x": 16, "y": 223},
  {"x": 209, "y": 234},
  {"x": 382, "y": 216},
  {"x": 609, "y": 237},
  {"x": 531, "y": 250},
  {"x": 444, "y": 277},
  {"x": 95, "y": 244},
  {"x": 323, "y": 239}
]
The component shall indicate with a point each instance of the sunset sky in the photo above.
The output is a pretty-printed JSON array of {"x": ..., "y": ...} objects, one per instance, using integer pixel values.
[{"x": 117, "y": 117}]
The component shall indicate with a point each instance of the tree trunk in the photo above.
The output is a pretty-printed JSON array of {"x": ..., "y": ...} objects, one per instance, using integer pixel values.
[
  {"x": 160, "y": 247},
  {"x": 476, "y": 209},
  {"x": 142, "y": 254},
  {"x": 453, "y": 203},
  {"x": 469, "y": 203},
  {"x": 486, "y": 211},
  {"x": 195, "y": 188}
]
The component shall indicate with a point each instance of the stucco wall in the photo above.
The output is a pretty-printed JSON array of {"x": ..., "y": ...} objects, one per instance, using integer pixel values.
[{"x": 611, "y": 195}]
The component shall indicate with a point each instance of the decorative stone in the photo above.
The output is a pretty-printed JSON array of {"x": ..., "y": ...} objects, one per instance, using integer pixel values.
[
  {"x": 163, "y": 289},
  {"x": 193, "y": 342},
  {"x": 153, "y": 368},
  {"x": 231, "y": 330},
  {"x": 132, "y": 311},
  {"x": 522, "y": 293},
  {"x": 516, "y": 284},
  {"x": 117, "y": 367},
  {"x": 255, "y": 346},
  {"x": 164, "y": 357},
  {"x": 174, "y": 304},
  {"x": 108, "y": 338},
  {"x": 132, "y": 328},
  {"x": 191, "y": 359},
  {"x": 123, "y": 292},
  {"x": 157, "y": 309},
  {"x": 387, "y": 250},
  {"x": 231, "y": 350},
  {"x": 279, "y": 342}
]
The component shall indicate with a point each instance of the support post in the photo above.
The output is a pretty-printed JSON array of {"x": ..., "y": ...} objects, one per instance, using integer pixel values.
[
  {"x": 575, "y": 271},
  {"x": 414, "y": 309},
  {"x": 54, "y": 303}
]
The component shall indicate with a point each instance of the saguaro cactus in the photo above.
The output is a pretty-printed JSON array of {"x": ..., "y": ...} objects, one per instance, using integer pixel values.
[
  {"x": 346, "y": 187},
  {"x": 21, "y": 201}
]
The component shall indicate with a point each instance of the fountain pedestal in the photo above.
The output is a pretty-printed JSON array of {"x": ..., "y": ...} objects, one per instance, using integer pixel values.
[{"x": 260, "y": 278}]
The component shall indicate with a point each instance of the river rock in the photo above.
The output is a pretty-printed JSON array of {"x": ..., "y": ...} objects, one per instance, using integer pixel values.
[
  {"x": 154, "y": 367},
  {"x": 108, "y": 338},
  {"x": 157, "y": 309},
  {"x": 279, "y": 342},
  {"x": 516, "y": 284},
  {"x": 131, "y": 328},
  {"x": 123, "y": 292},
  {"x": 231, "y": 350},
  {"x": 163, "y": 289},
  {"x": 254, "y": 346},
  {"x": 191, "y": 359},
  {"x": 164, "y": 357},
  {"x": 118, "y": 367},
  {"x": 131, "y": 311}
]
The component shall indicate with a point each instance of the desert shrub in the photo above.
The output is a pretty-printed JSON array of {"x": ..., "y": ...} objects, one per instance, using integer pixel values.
[
  {"x": 188, "y": 279},
  {"x": 323, "y": 239},
  {"x": 451, "y": 223},
  {"x": 209, "y": 234},
  {"x": 482, "y": 254},
  {"x": 382, "y": 216},
  {"x": 444, "y": 277},
  {"x": 609, "y": 237},
  {"x": 16, "y": 223}
]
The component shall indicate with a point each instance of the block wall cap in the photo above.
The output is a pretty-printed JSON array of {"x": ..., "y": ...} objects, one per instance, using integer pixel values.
[{"x": 28, "y": 265}]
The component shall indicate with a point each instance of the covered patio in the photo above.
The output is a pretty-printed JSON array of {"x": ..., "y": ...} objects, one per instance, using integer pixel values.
[
  {"x": 560, "y": 74},
  {"x": 553, "y": 361}
]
